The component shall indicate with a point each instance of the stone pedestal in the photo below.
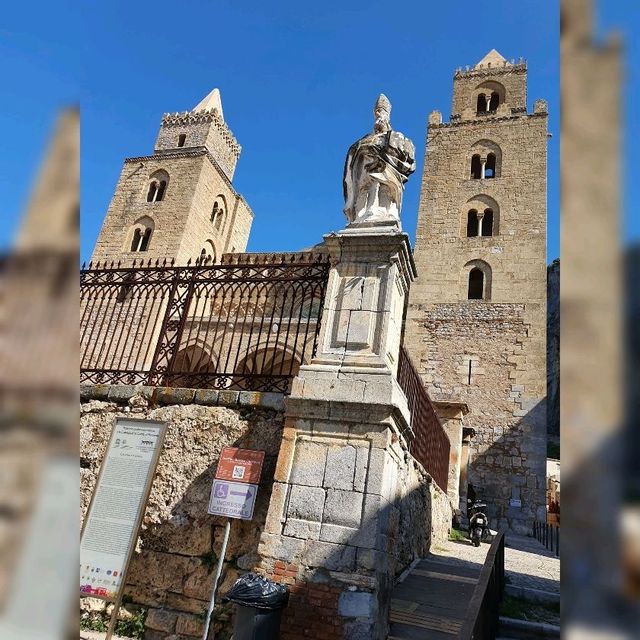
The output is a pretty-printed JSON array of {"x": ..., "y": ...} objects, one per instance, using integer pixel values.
[
  {"x": 344, "y": 477},
  {"x": 451, "y": 414}
]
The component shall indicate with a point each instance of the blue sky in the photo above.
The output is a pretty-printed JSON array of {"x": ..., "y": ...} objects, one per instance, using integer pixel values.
[{"x": 297, "y": 83}]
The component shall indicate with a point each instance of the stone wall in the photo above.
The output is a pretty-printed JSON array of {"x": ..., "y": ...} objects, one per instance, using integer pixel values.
[
  {"x": 350, "y": 510},
  {"x": 489, "y": 353},
  {"x": 172, "y": 571},
  {"x": 553, "y": 350}
]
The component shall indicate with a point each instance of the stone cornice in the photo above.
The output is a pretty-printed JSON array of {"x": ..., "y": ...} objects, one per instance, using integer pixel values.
[{"x": 486, "y": 119}]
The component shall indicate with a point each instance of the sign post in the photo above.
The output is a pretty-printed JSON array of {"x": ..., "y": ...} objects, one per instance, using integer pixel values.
[
  {"x": 233, "y": 495},
  {"x": 113, "y": 520}
]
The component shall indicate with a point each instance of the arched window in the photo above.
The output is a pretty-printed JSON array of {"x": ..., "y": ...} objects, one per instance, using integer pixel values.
[
  {"x": 481, "y": 106},
  {"x": 182, "y": 138},
  {"x": 472, "y": 223},
  {"x": 487, "y": 223},
  {"x": 208, "y": 253},
  {"x": 476, "y": 167},
  {"x": 476, "y": 284},
  {"x": 495, "y": 101},
  {"x": 157, "y": 186},
  {"x": 218, "y": 213},
  {"x": 141, "y": 235},
  {"x": 490, "y": 166},
  {"x": 477, "y": 280}
]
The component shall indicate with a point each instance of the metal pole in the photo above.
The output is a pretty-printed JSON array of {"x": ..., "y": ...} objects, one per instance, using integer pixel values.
[{"x": 227, "y": 528}]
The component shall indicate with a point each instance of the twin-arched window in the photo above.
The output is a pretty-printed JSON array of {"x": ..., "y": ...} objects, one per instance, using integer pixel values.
[
  {"x": 479, "y": 223},
  {"x": 141, "y": 234},
  {"x": 157, "y": 186},
  {"x": 208, "y": 253},
  {"x": 219, "y": 213}
]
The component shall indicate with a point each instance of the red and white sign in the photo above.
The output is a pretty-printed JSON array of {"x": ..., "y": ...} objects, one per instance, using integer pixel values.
[{"x": 240, "y": 465}]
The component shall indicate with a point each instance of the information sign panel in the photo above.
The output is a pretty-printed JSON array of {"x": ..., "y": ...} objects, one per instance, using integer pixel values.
[
  {"x": 233, "y": 499},
  {"x": 240, "y": 465},
  {"x": 119, "y": 499}
]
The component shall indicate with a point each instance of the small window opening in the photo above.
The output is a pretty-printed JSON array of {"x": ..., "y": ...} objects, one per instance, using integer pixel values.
[
  {"x": 472, "y": 223},
  {"x": 214, "y": 211},
  {"x": 182, "y": 138},
  {"x": 494, "y": 102},
  {"x": 490, "y": 166},
  {"x": 469, "y": 373},
  {"x": 144, "y": 244},
  {"x": 481, "y": 104},
  {"x": 153, "y": 190},
  {"x": 125, "y": 288},
  {"x": 476, "y": 284},
  {"x": 487, "y": 223},
  {"x": 161, "y": 188},
  {"x": 476, "y": 167},
  {"x": 135, "y": 243}
]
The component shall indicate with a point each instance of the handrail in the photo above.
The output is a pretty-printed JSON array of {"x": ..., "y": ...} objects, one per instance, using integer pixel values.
[{"x": 481, "y": 621}]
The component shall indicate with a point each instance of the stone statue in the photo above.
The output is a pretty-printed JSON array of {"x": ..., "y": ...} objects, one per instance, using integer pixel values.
[{"x": 376, "y": 170}]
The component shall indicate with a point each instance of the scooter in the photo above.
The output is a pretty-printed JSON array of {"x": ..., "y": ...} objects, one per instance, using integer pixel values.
[{"x": 478, "y": 523}]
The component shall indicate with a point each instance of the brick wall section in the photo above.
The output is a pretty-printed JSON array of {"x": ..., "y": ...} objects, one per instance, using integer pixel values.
[
  {"x": 312, "y": 609},
  {"x": 488, "y": 353}
]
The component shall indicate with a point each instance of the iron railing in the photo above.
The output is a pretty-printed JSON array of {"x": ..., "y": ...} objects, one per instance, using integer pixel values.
[
  {"x": 483, "y": 614},
  {"x": 430, "y": 445},
  {"x": 248, "y": 323},
  {"x": 547, "y": 534}
]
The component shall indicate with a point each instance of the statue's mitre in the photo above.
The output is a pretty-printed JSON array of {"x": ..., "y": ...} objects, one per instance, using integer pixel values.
[{"x": 383, "y": 103}]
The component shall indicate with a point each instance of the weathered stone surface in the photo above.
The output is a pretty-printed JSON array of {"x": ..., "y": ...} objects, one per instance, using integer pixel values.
[
  {"x": 357, "y": 604},
  {"x": 335, "y": 557},
  {"x": 343, "y": 508},
  {"x": 306, "y": 503},
  {"x": 179, "y": 541},
  {"x": 309, "y": 464},
  {"x": 340, "y": 469},
  {"x": 161, "y": 620}
]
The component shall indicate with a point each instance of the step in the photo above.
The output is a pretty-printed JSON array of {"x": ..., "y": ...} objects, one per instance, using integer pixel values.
[{"x": 525, "y": 630}]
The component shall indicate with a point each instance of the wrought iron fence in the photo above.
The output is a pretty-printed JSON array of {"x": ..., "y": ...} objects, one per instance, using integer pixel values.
[
  {"x": 547, "y": 534},
  {"x": 430, "y": 445},
  {"x": 483, "y": 614},
  {"x": 248, "y": 323}
]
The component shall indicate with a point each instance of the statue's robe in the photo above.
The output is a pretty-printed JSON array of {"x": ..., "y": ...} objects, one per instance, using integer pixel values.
[{"x": 388, "y": 158}]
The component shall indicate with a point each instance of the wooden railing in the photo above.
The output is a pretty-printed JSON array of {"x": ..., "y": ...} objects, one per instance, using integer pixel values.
[
  {"x": 483, "y": 614},
  {"x": 430, "y": 445}
]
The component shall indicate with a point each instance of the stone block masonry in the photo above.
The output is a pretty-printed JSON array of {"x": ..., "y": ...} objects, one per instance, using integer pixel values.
[
  {"x": 485, "y": 169},
  {"x": 172, "y": 571}
]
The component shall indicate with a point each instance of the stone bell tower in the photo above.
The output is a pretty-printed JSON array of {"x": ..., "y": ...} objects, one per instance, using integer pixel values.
[
  {"x": 476, "y": 321},
  {"x": 179, "y": 202}
]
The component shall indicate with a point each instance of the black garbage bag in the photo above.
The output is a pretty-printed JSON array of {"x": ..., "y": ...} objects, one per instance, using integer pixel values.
[{"x": 254, "y": 590}]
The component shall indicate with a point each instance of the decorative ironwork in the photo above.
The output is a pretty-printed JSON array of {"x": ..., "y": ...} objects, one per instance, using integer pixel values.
[
  {"x": 248, "y": 323},
  {"x": 430, "y": 445}
]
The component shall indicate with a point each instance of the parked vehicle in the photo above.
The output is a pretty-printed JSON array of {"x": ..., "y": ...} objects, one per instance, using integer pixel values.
[{"x": 478, "y": 523}]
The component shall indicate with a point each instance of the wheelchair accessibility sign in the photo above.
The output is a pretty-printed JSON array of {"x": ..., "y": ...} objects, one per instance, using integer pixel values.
[{"x": 233, "y": 499}]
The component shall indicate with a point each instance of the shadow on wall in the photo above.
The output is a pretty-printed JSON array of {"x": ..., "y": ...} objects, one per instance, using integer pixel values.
[
  {"x": 172, "y": 571},
  {"x": 510, "y": 473}
]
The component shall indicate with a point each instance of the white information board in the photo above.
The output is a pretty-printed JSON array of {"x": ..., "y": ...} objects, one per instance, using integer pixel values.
[{"x": 117, "y": 506}]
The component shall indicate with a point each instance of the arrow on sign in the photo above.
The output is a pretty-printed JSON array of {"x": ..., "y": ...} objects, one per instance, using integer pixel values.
[{"x": 244, "y": 494}]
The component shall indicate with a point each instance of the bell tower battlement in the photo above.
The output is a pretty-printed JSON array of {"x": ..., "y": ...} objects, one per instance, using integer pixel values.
[
  {"x": 203, "y": 126},
  {"x": 179, "y": 202}
]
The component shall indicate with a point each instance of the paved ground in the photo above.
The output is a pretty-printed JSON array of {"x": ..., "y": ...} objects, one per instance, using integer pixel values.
[
  {"x": 432, "y": 600},
  {"x": 527, "y": 562}
]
